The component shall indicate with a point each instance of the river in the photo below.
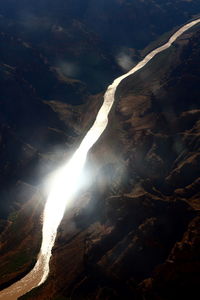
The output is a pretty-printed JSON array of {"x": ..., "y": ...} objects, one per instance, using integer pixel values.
[{"x": 66, "y": 180}]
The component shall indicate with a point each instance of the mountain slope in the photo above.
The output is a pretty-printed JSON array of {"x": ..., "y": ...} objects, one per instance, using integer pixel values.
[
  {"x": 92, "y": 40},
  {"x": 134, "y": 233}
]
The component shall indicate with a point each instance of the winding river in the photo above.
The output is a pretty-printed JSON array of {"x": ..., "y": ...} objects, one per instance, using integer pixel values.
[{"x": 66, "y": 180}]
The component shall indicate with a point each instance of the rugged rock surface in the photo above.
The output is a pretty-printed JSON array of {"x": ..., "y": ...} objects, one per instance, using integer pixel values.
[
  {"x": 21, "y": 239},
  {"x": 134, "y": 234},
  {"x": 92, "y": 40},
  {"x": 134, "y": 231},
  {"x": 34, "y": 136}
]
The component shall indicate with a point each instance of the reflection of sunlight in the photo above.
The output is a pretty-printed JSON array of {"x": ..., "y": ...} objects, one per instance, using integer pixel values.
[
  {"x": 66, "y": 180},
  {"x": 64, "y": 185}
]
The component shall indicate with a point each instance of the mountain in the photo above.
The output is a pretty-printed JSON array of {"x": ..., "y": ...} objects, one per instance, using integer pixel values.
[
  {"x": 93, "y": 41},
  {"x": 134, "y": 231},
  {"x": 138, "y": 236}
]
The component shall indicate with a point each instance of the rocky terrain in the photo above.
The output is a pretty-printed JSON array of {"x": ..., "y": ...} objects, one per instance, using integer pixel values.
[
  {"x": 138, "y": 235},
  {"x": 35, "y": 131},
  {"x": 133, "y": 232},
  {"x": 92, "y": 40}
]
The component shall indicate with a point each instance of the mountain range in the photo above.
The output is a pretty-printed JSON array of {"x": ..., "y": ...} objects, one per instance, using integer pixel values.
[{"x": 134, "y": 230}]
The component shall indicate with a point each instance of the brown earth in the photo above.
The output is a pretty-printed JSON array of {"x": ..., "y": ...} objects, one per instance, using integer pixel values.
[{"x": 134, "y": 232}]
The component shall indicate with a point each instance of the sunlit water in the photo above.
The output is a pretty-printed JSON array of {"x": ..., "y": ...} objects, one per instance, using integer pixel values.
[{"x": 66, "y": 181}]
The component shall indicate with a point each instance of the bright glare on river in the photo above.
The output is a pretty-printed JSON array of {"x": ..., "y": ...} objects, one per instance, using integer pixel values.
[{"x": 66, "y": 179}]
